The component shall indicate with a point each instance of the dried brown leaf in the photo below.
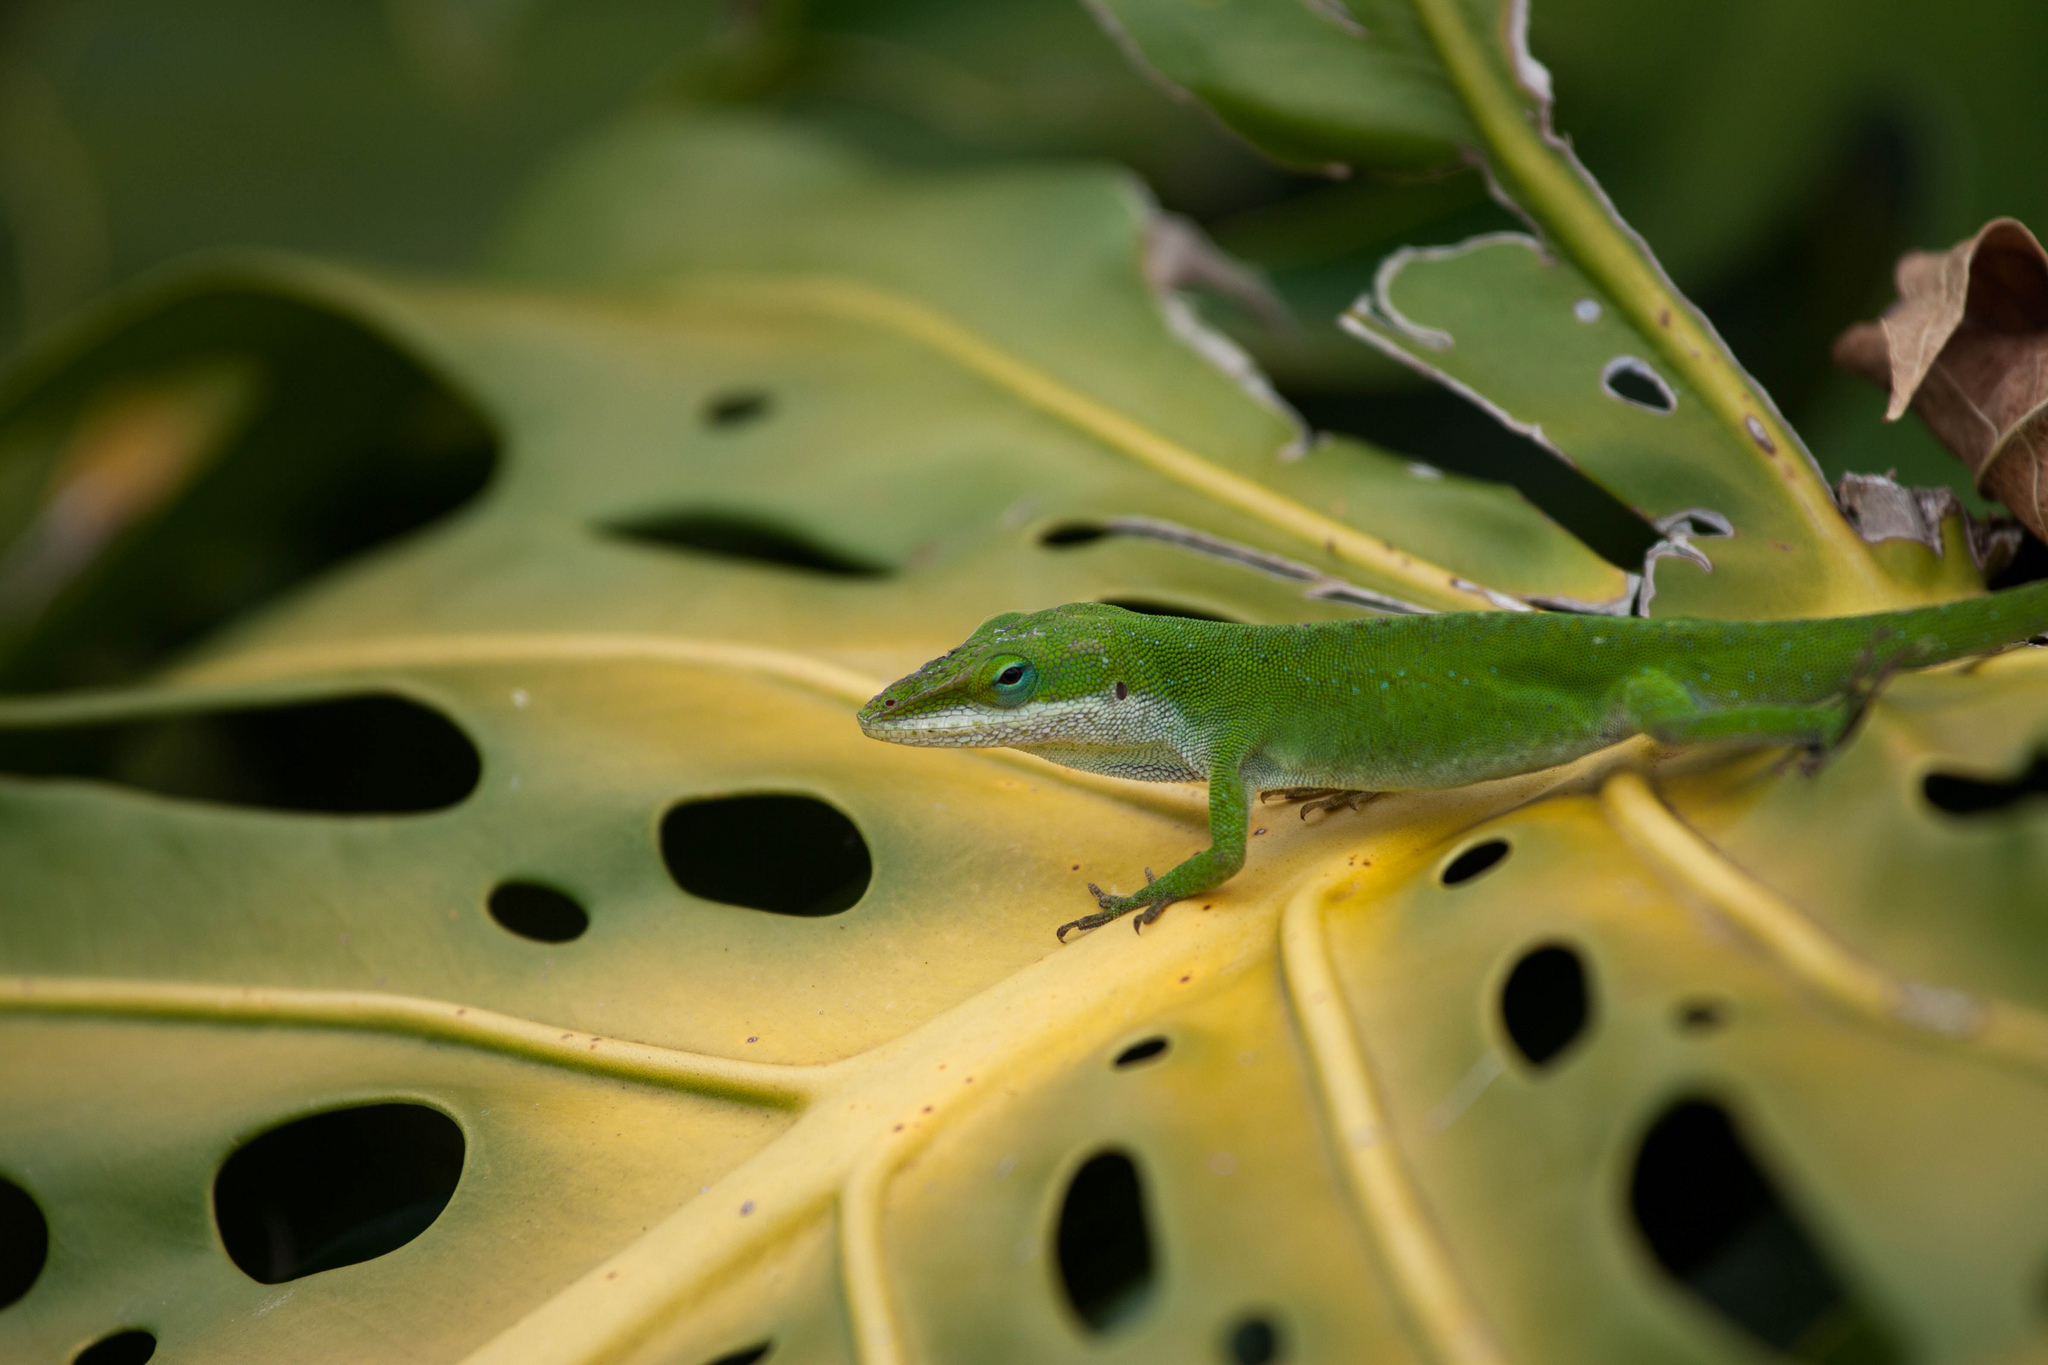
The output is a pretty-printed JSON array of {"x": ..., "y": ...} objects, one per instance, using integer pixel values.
[{"x": 1966, "y": 347}]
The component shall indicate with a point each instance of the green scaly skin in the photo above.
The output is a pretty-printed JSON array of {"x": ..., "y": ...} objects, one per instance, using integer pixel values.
[{"x": 1398, "y": 702}]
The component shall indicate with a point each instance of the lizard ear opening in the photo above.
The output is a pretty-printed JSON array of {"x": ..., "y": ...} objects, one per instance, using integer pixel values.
[{"x": 1008, "y": 680}]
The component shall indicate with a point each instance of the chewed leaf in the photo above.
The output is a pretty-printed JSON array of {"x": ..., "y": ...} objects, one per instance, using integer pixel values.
[
  {"x": 806, "y": 233},
  {"x": 1463, "y": 70},
  {"x": 1528, "y": 336},
  {"x": 1966, "y": 346}
]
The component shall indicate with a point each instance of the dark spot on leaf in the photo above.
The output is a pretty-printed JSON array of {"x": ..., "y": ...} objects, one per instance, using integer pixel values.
[
  {"x": 1544, "y": 1003},
  {"x": 335, "y": 1188},
  {"x": 736, "y": 407},
  {"x": 790, "y": 855},
  {"x": 1069, "y": 534},
  {"x": 24, "y": 1242},
  {"x": 1715, "y": 1223},
  {"x": 1144, "y": 1050},
  {"x": 363, "y": 755},
  {"x": 1103, "y": 1242},
  {"x": 1701, "y": 1016},
  {"x": 1147, "y": 607},
  {"x": 538, "y": 912},
  {"x": 1960, "y": 795},
  {"x": 132, "y": 1347},
  {"x": 730, "y": 536},
  {"x": 1475, "y": 860},
  {"x": 1252, "y": 1340}
]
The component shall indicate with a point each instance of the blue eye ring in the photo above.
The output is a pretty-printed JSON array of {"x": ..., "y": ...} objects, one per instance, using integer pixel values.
[{"x": 1010, "y": 680}]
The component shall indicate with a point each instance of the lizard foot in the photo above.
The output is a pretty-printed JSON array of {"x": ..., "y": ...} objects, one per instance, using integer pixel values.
[
  {"x": 1323, "y": 800},
  {"x": 1116, "y": 907}
]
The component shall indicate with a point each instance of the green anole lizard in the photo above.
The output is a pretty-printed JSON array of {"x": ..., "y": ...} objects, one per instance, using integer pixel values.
[{"x": 1338, "y": 710}]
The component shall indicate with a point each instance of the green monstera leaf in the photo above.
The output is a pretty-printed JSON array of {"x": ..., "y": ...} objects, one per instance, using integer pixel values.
[{"x": 453, "y": 916}]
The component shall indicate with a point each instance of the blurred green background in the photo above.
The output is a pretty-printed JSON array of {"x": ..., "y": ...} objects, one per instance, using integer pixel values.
[{"x": 1777, "y": 157}]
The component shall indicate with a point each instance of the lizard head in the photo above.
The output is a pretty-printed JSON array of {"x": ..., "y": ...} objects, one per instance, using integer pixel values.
[{"x": 1018, "y": 680}]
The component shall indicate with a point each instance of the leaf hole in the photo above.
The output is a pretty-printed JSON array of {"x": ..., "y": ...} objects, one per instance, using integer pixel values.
[
  {"x": 1637, "y": 384},
  {"x": 1473, "y": 861},
  {"x": 538, "y": 912},
  {"x": 1104, "y": 1241},
  {"x": 131, "y": 1347},
  {"x": 788, "y": 855},
  {"x": 738, "y": 537},
  {"x": 1715, "y": 1223},
  {"x": 1545, "y": 1003},
  {"x": 1253, "y": 1340},
  {"x": 373, "y": 754},
  {"x": 1069, "y": 534},
  {"x": 1959, "y": 795},
  {"x": 746, "y": 1355},
  {"x": 736, "y": 407},
  {"x": 1146, "y": 606},
  {"x": 336, "y": 1188},
  {"x": 24, "y": 1242},
  {"x": 1144, "y": 1050}
]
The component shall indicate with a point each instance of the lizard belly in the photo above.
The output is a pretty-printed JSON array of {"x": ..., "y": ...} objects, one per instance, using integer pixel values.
[
  {"x": 1387, "y": 765},
  {"x": 1149, "y": 763}
]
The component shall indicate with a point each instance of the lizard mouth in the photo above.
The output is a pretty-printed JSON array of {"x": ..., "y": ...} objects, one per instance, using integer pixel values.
[{"x": 952, "y": 726}]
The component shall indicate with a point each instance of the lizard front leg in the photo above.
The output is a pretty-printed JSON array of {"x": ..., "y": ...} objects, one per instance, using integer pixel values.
[{"x": 1214, "y": 865}]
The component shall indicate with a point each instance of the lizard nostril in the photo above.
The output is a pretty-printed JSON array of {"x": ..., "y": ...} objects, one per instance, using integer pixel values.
[
  {"x": 889, "y": 702},
  {"x": 1122, "y": 691}
]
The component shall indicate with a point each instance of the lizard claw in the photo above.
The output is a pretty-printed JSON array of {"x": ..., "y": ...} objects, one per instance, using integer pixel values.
[{"x": 1147, "y": 915}]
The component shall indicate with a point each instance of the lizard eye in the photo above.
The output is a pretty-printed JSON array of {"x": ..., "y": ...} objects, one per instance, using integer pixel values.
[{"x": 1011, "y": 680}]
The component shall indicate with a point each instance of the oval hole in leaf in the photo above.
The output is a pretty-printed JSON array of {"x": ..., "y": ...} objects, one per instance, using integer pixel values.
[
  {"x": 738, "y": 537},
  {"x": 1545, "y": 1004},
  {"x": 746, "y": 1355},
  {"x": 1475, "y": 860},
  {"x": 736, "y": 407},
  {"x": 1252, "y": 1340},
  {"x": 1069, "y": 534},
  {"x": 375, "y": 754},
  {"x": 131, "y": 1347},
  {"x": 335, "y": 1188},
  {"x": 1104, "y": 1241},
  {"x": 24, "y": 1242},
  {"x": 1959, "y": 795},
  {"x": 346, "y": 444},
  {"x": 1144, "y": 1050},
  {"x": 1714, "y": 1222},
  {"x": 1636, "y": 383},
  {"x": 538, "y": 912},
  {"x": 1145, "y": 606},
  {"x": 789, "y": 855}
]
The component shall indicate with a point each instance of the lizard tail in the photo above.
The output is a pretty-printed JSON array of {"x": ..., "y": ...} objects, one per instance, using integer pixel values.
[{"x": 1954, "y": 630}]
